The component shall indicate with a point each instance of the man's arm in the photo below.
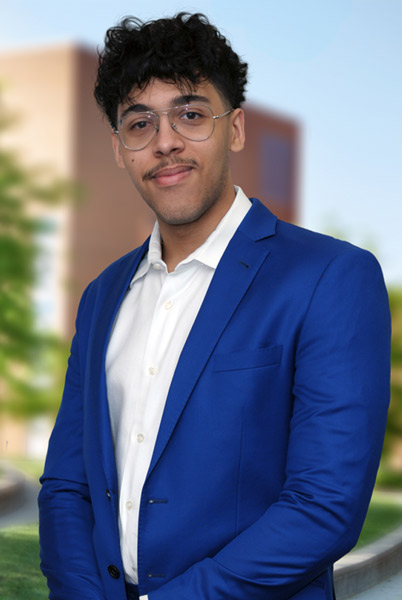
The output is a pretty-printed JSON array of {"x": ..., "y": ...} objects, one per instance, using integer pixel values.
[
  {"x": 341, "y": 395},
  {"x": 65, "y": 510}
]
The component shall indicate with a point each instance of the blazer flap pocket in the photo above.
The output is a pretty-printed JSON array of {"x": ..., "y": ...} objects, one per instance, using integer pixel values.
[{"x": 248, "y": 359}]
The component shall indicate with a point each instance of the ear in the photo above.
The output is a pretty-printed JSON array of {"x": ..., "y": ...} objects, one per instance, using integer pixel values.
[
  {"x": 117, "y": 151},
  {"x": 238, "y": 131}
]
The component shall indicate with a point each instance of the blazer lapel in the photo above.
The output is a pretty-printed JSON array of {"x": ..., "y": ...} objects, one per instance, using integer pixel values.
[
  {"x": 238, "y": 267},
  {"x": 112, "y": 295}
]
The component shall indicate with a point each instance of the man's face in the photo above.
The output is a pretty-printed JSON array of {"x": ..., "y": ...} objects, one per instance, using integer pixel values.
[{"x": 183, "y": 181}]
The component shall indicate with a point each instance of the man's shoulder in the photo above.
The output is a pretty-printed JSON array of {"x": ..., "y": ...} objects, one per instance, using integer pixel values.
[
  {"x": 322, "y": 247},
  {"x": 298, "y": 238},
  {"x": 123, "y": 262},
  {"x": 118, "y": 271},
  {"x": 296, "y": 245}
]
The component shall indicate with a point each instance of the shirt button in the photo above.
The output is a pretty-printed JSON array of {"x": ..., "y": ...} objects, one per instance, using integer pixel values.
[
  {"x": 152, "y": 370},
  {"x": 168, "y": 305},
  {"x": 129, "y": 505},
  {"x": 140, "y": 438},
  {"x": 157, "y": 266}
]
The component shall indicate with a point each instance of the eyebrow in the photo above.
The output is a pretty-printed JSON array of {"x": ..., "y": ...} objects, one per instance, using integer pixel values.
[{"x": 176, "y": 101}]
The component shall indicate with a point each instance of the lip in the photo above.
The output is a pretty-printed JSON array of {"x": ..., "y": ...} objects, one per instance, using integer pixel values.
[{"x": 172, "y": 175}]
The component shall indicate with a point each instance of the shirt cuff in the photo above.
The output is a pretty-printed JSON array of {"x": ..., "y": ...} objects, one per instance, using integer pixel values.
[{"x": 143, "y": 597}]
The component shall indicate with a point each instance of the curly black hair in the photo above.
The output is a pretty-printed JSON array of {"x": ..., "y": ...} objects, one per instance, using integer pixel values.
[{"x": 185, "y": 49}]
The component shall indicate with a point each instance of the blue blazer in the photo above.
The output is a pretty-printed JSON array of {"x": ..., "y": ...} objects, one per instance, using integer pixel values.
[{"x": 270, "y": 439}]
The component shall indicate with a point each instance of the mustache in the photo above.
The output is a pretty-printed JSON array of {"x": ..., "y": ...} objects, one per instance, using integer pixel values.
[{"x": 169, "y": 163}]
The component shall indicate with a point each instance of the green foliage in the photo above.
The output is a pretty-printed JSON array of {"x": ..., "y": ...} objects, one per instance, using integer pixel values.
[
  {"x": 394, "y": 426},
  {"x": 20, "y": 576},
  {"x": 388, "y": 478},
  {"x": 26, "y": 354},
  {"x": 32, "y": 468},
  {"x": 384, "y": 515}
]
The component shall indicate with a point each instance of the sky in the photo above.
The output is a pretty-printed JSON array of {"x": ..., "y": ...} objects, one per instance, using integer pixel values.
[{"x": 335, "y": 66}]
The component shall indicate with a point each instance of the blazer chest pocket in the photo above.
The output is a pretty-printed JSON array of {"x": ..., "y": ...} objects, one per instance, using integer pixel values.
[{"x": 248, "y": 359}]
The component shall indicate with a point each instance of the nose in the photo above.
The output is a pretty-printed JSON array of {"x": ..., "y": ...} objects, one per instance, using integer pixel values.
[{"x": 167, "y": 140}]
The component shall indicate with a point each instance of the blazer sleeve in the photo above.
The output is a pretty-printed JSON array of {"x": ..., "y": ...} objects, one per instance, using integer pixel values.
[
  {"x": 341, "y": 396},
  {"x": 65, "y": 511}
]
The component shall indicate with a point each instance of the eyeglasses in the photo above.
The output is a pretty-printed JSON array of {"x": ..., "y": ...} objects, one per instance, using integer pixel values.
[{"x": 194, "y": 122}]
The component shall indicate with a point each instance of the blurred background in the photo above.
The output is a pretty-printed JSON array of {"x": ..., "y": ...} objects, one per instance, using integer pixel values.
[{"x": 324, "y": 150}]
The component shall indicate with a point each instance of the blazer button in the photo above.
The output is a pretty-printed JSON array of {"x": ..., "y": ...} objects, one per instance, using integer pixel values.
[
  {"x": 113, "y": 571},
  {"x": 108, "y": 495}
]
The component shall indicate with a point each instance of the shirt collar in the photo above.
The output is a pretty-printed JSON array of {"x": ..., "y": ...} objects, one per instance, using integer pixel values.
[{"x": 211, "y": 251}]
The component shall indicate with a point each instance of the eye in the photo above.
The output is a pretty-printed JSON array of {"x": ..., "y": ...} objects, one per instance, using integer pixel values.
[
  {"x": 138, "y": 123},
  {"x": 192, "y": 115}
]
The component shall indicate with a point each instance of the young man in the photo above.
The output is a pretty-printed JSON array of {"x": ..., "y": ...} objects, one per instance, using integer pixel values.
[{"x": 228, "y": 384}]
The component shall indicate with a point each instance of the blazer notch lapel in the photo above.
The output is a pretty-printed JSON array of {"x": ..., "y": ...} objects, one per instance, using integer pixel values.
[
  {"x": 110, "y": 295},
  {"x": 233, "y": 277}
]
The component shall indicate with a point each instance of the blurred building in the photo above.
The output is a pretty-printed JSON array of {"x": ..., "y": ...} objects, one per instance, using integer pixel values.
[{"x": 60, "y": 131}]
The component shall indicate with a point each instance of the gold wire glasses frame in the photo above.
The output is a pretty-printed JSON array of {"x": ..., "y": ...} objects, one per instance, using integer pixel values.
[{"x": 194, "y": 122}]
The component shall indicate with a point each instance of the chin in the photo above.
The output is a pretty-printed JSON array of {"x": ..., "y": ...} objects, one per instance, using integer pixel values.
[{"x": 181, "y": 217}]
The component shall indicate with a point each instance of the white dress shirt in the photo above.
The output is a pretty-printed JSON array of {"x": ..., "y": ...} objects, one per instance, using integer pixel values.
[{"x": 148, "y": 335}]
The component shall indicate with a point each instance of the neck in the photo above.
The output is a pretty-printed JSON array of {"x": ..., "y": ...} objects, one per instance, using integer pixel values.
[{"x": 178, "y": 241}]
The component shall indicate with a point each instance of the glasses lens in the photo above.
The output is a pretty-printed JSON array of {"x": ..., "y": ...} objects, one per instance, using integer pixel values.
[
  {"x": 137, "y": 129},
  {"x": 192, "y": 121}
]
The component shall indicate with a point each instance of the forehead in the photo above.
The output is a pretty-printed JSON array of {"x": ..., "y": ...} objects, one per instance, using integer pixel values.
[{"x": 163, "y": 94}]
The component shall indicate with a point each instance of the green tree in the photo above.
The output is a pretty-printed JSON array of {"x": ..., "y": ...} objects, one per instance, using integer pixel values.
[
  {"x": 26, "y": 354},
  {"x": 394, "y": 426}
]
